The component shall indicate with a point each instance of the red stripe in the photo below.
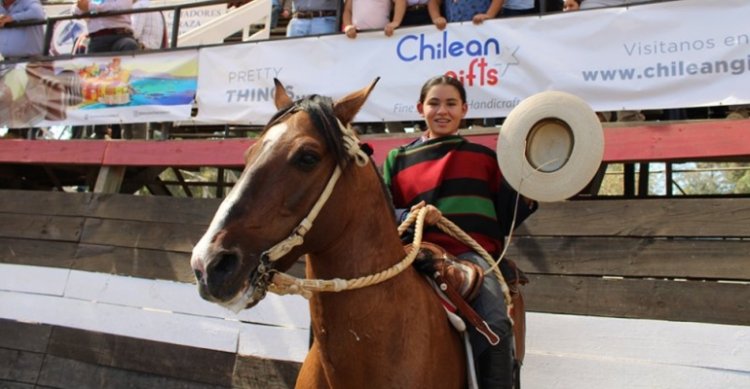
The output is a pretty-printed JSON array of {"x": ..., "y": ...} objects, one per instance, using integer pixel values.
[
  {"x": 427, "y": 175},
  {"x": 455, "y": 247}
]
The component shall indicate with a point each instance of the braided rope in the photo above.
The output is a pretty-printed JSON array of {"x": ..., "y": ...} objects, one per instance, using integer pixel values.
[
  {"x": 453, "y": 230},
  {"x": 282, "y": 283}
]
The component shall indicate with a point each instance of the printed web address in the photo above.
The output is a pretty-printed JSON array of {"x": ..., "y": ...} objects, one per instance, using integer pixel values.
[{"x": 674, "y": 69}]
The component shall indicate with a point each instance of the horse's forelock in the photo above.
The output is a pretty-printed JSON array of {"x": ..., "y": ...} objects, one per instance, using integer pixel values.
[{"x": 320, "y": 109}]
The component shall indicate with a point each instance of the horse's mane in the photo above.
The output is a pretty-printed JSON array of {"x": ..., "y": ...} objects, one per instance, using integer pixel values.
[{"x": 320, "y": 109}]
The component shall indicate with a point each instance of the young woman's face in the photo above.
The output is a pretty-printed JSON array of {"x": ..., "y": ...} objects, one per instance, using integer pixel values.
[{"x": 443, "y": 110}]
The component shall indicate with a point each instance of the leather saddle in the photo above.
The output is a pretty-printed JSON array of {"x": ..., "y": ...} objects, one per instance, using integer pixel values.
[
  {"x": 463, "y": 276},
  {"x": 465, "y": 279}
]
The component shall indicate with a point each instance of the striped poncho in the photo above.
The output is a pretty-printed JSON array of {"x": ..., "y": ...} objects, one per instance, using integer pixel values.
[{"x": 463, "y": 180}]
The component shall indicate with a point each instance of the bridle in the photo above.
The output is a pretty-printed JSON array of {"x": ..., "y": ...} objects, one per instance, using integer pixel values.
[{"x": 262, "y": 278}]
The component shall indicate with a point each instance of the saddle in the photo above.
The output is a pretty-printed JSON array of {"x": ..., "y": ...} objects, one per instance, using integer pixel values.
[
  {"x": 463, "y": 276},
  {"x": 461, "y": 282}
]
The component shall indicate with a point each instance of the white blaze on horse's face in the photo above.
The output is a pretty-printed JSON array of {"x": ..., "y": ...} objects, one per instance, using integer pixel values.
[
  {"x": 270, "y": 138},
  {"x": 206, "y": 247}
]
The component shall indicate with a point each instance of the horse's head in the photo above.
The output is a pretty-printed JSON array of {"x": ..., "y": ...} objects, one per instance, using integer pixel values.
[{"x": 289, "y": 173}]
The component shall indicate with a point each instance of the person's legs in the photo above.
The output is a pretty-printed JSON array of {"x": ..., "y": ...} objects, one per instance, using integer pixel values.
[
  {"x": 275, "y": 11},
  {"x": 101, "y": 43},
  {"x": 418, "y": 17},
  {"x": 494, "y": 363},
  {"x": 324, "y": 25},
  {"x": 125, "y": 43},
  {"x": 298, "y": 27},
  {"x": 508, "y": 12},
  {"x": 110, "y": 43}
]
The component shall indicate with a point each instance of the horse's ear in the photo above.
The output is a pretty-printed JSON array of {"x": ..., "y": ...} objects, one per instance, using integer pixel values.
[
  {"x": 280, "y": 97},
  {"x": 348, "y": 106}
]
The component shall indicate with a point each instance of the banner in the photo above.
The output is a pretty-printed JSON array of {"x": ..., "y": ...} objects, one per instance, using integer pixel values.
[
  {"x": 99, "y": 90},
  {"x": 674, "y": 54}
]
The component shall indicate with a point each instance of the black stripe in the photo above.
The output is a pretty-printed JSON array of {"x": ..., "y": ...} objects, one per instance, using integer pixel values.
[{"x": 465, "y": 187}]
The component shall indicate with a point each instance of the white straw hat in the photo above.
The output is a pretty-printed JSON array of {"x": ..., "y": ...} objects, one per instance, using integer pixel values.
[{"x": 550, "y": 146}]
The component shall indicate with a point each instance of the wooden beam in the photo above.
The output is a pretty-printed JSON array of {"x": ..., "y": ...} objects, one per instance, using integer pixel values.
[
  {"x": 694, "y": 140},
  {"x": 69, "y": 152},
  {"x": 109, "y": 179}
]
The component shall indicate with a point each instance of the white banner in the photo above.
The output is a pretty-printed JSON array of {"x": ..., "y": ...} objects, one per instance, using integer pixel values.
[{"x": 664, "y": 55}]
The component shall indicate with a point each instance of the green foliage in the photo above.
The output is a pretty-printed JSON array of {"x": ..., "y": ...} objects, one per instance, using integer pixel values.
[{"x": 693, "y": 179}]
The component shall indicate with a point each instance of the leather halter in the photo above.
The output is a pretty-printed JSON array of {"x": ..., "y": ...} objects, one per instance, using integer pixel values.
[{"x": 296, "y": 237}]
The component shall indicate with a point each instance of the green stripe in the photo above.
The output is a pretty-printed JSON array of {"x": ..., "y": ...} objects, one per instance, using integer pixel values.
[{"x": 467, "y": 204}]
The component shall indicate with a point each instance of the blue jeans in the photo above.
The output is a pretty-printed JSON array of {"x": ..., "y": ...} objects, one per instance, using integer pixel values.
[
  {"x": 314, "y": 26},
  {"x": 490, "y": 305},
  {"x": 112, "y": 43},
  {"x": 275, "y": 11}
]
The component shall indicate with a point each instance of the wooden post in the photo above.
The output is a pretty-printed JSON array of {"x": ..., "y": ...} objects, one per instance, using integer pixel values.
[{"x": 109, "y": 179}]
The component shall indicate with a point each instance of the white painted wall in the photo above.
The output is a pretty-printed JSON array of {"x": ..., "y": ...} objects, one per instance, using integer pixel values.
[{"x": 563, "y": 351}]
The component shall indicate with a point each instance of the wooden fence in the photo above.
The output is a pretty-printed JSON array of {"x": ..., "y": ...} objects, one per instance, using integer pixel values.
[{"x": 676, "y": 259}]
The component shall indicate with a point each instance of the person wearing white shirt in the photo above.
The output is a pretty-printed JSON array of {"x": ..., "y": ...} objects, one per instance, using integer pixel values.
[
  {"x": 109, "y": 33},
  {"x": 148, "y": 27}
]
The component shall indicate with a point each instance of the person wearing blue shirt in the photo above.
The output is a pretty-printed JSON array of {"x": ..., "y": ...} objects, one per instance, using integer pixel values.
[{"x": 21, "y": 42}]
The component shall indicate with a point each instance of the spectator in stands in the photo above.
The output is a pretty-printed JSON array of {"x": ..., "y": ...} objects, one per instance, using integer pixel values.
[
  {"x": 149, "y": 28},
  {"x": 411, "y": 13},
  {"x": 21, "y": 42},
  {"x": 109, "y": 33},
  {"x": 368, "y": 15},
  {"x": 519, "y": 7},
  {"x": 462, "y": 11},
  {"x": 313, "y": 17},
  {"x": 280, "y": 9}
]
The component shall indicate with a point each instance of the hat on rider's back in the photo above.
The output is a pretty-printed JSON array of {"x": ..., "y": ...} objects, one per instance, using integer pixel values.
[{"x": 550, "y": 146}]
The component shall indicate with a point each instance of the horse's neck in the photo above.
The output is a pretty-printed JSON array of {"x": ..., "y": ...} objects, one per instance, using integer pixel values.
[
  {"x": 361, "y": 233},
  {"x": 367, "y": 241}
]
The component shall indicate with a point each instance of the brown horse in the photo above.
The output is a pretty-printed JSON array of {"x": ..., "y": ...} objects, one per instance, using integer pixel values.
[{"x": 390, "y": 335}]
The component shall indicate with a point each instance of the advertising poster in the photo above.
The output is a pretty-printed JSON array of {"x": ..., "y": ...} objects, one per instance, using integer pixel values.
[{"x": 99, "y": 90}]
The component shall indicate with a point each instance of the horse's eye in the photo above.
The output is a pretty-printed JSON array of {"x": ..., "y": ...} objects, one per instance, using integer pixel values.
[{"x": 306, "y": 160}]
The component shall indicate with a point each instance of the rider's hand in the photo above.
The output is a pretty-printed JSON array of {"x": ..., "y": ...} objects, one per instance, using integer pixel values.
[{"x": 433, "y": 215}]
